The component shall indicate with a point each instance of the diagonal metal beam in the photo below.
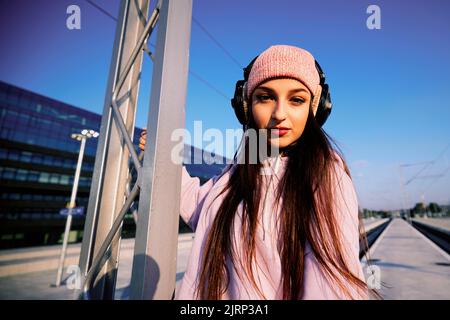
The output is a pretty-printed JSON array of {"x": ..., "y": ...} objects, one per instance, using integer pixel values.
[{"x": 104, "y": 252}]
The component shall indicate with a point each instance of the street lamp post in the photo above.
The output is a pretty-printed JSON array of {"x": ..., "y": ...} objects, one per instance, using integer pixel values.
[{"x": 85, "y": 134}]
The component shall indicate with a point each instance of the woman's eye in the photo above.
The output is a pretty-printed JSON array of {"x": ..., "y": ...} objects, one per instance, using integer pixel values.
[
  {"x": 298, "y": 100},
  {"x": 263, "y": 97}
]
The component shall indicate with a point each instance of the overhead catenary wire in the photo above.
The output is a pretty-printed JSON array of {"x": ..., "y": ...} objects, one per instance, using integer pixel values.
[
  {"x": 203, "y": 28},
  {"x": 206, "y": 82},
  {"x": 217, "y": 42},
  {"x": 427, "y": 165},
  {"x": 192, "y": 72},
  {"x": 436, "y": 177},
  {"x": 101, "y": 9}
]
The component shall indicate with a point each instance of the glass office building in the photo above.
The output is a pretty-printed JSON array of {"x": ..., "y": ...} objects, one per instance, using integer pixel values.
[{"x": 37, "y": 164}]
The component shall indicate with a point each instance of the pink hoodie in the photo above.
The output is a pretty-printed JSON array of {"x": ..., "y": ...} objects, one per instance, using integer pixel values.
[{"x": 198, "y": 210}]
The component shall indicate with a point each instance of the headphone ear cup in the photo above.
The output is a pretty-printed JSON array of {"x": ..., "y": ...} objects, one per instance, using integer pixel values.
[
  {"x": 239, "y": 104},
  {"x": 325, "y": 105}
]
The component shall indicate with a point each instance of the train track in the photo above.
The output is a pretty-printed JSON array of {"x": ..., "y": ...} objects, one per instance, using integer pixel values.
[
  {"x": 372, "y": 235},
  {"x": 440, "y": 237}
]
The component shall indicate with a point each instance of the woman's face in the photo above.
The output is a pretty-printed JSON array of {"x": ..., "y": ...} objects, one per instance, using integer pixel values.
[{"x": 282, "y": 103}]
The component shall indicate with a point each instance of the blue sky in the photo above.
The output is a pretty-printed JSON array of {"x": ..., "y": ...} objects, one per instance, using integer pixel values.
[{"x": 389, "y": 86}]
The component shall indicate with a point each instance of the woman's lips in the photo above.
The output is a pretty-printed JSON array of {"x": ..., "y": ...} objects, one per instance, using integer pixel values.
[{"x": 279, "y": 132}]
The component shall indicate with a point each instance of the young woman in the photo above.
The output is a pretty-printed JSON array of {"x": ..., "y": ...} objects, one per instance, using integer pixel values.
[{"x": 289, "y": 234}]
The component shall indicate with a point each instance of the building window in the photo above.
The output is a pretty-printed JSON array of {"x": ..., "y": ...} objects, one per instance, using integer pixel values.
[
  {"x": 3, "y": 96},
  {"x": 38, "y": 197},
  {"x": 21, "y": 175},
  {"x": 68, "y": 163},
  {"x": 26, "y": 156},
  {"x": 85, "y": 181},
  {"x": 6, "y": 133},
  {"x": 54, "y": 178},
  {"x": 44, "y": 177},
  {"x": 12, "y": 99},
  {"x": 33, "y": 176},
  {"x": 13, "y": 155},
  {"x": 36, "y": 158},
  {"x": 57, "y": 162},
  {"x": 8, "y": 173},
  {"x": 24, "y": 102},
  {"x": 64, "y": 179},
  {"x": 48, "y": 160},
  {"x": 26, "y": 197},
  {"x": 15, "y": 196},
  {"x": 3, "y": 153}
]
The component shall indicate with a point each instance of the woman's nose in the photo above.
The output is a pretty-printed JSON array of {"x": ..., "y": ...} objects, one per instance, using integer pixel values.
[{"x": 279, "y": 112}]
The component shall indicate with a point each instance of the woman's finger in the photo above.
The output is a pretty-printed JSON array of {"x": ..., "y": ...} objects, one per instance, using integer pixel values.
[{"x": 142, "y": 139}]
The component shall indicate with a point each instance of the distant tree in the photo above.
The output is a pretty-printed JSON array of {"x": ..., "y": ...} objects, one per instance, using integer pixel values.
[
  {"x": 383, "y": 214},
  {"x": 434, "y": 207},
  {"x": 419, "y": 208},
  {"x": 367, "y": 213}
]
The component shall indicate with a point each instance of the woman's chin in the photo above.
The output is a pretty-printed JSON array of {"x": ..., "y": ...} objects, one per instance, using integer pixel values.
[{"x": 279, "y": 143}]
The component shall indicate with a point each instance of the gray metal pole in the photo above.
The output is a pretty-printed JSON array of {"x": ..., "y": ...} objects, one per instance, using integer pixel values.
[
  {"x": 155, "y": 250},
  {"x": 69, "y": 216},
  {"x": 404, "y": 198}
]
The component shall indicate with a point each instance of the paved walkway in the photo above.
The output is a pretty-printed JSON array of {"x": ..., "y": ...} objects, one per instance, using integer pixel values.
[
  {"x": 411, "y": 266},
  {"x": 17, "y": 282}
]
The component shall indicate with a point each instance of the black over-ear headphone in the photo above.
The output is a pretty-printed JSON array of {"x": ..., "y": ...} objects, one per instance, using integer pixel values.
[{"x": 239, "y": 102}]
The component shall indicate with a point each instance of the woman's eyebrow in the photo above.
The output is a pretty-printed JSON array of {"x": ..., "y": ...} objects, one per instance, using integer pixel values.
[{"x": 273, "y": 91}]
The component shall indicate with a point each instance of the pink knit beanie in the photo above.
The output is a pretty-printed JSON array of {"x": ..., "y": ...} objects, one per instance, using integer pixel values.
[{"x": 284, "y": 61}]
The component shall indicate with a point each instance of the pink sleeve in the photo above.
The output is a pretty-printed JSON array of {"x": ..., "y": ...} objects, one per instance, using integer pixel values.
[
  {"x": 192, "y": 197},
  {"x": 317, "y": 285}
]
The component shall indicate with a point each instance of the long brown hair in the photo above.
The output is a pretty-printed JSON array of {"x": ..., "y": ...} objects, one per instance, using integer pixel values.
[{"x": 307, "y": 214}]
